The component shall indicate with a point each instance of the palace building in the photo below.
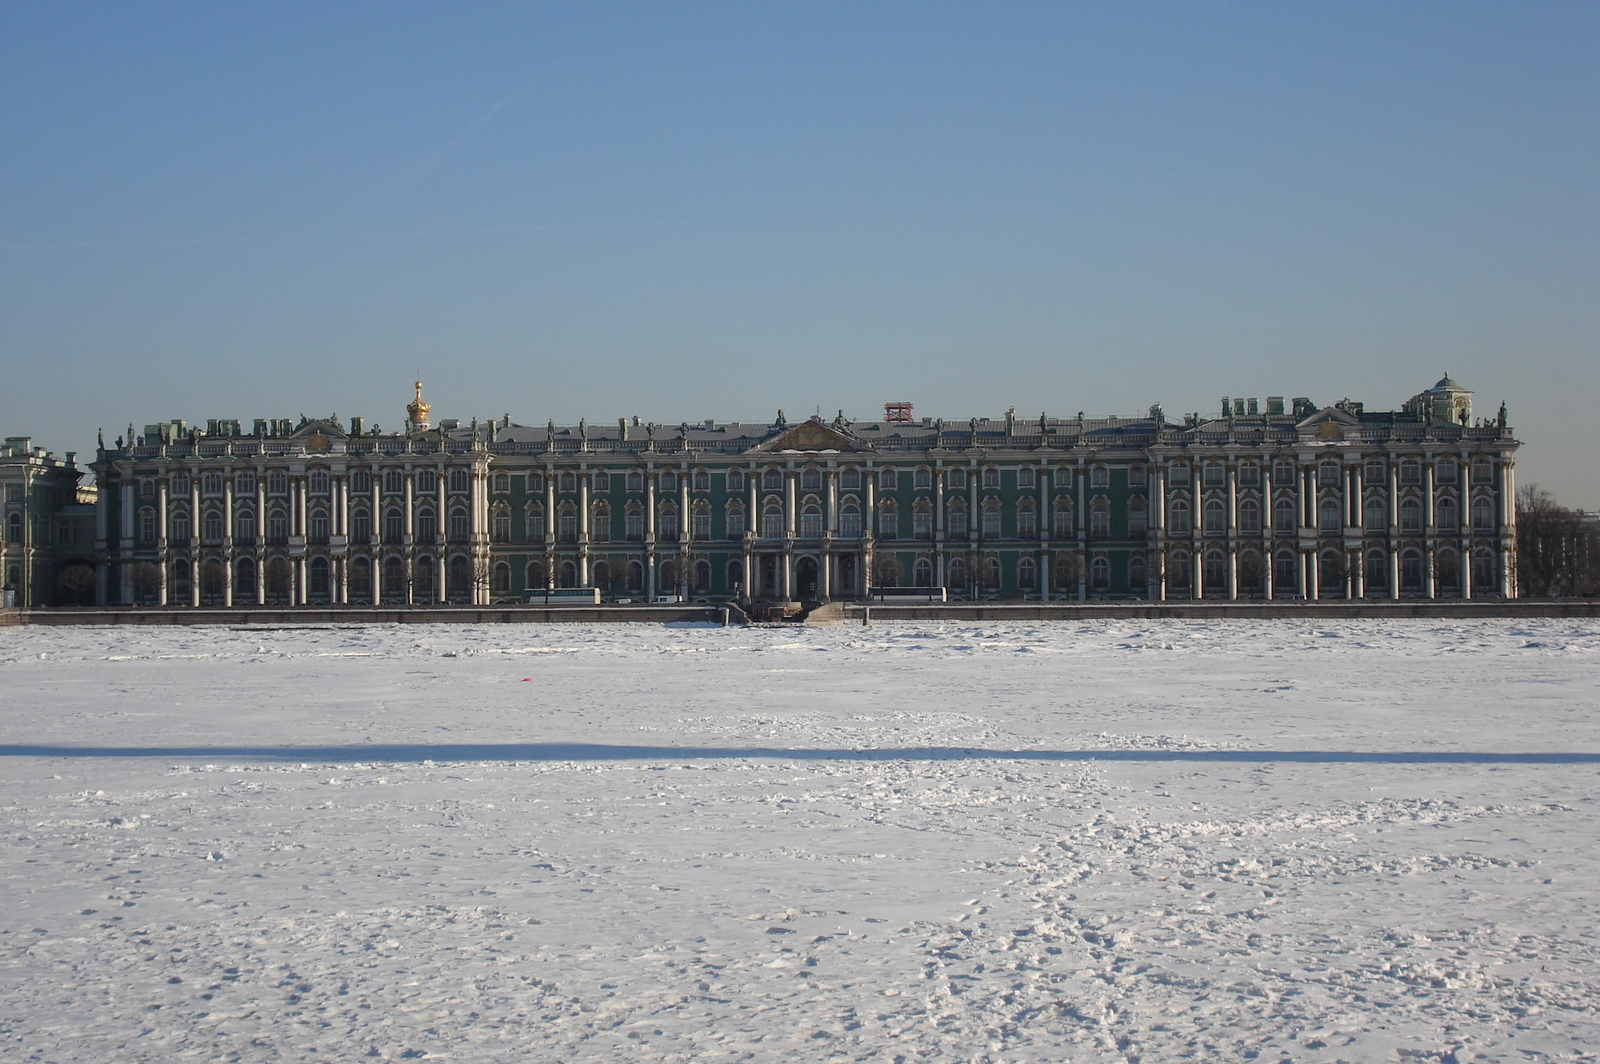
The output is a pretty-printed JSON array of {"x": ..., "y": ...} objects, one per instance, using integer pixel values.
[{"x": 1265, "y": 500}]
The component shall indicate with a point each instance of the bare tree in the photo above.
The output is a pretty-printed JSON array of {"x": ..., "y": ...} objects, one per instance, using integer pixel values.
[
  {"x": 144, "y": 579},
  {"x": 76, "y": 582},
  {"x": 1557, "y": 548}
]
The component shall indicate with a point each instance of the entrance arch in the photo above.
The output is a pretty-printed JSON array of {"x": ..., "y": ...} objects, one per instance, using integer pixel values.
[{"x": 806, "y": 584}]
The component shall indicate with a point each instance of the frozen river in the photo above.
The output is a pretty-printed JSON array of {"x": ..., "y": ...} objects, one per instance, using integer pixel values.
[{"x": 1155, "y": 841}]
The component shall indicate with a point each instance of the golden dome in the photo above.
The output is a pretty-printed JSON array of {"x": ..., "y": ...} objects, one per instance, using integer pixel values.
[{"x": 417, "y": 408}]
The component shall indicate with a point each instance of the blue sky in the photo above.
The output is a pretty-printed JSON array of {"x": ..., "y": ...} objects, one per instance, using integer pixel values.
[{"x": 714, "y": 210}]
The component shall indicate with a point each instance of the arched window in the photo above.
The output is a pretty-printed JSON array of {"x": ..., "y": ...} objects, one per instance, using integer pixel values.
[
  {"x": 567, "y": 523},
  {"x": 1411, "y": 516},
  {"x": 1100, "y": 518},
  {"x": 958, "y": 573},
  {"x": 1483, "y": 570},
  {"x": 922, "y": 520},
  {"x": 1027, "y": 519},
  {"x": 772, "y": 480},
  {"x": 1482, "y": 471},
  {"x": 850, "y": 520},
  {"x": 1178, "y": 517},
  {"x": 667, "y": 524},
  {"x": 850, "y": 479},
  {"x": 1027, "y": 574},
  {"x": 1328, "y": 473},
  {"x": 1216, "y": 517},
  {"x": 317, "y": 527},
  {"x": 501, "y": 484},
  {"x": 956, "y": 479},
  {"x": 1377, "y": 513},
  {"x": 500, "y": 525},
  {"x": 991, "y": 477},
  {"x": 633, "y": 523},
  {"x": 244, "y": 527},
  {"x": 635, "y": 480},
  {"x": 1061, "y": 520},
  {"x": 1331, "y": 569},
  {"x": 278, "y": 527},
  {"x": 1178, "y": 569},
  {"x": 1283, "y": 515},
  {"x": 700, "y": 522},
  {"x": 1376, "y": 472},
  {"x": 1285, "y": 572},
  {"x": 279, "y": 579},
  {"x": 991, "y": 573},
  {"x": 702, "y": 480},
  {"x": 922, "y": 572},
  {"x": 811, "y": 520},
  {"x": 667, "y": 481},
  {"x": 1249, "y": 474},
  {"x": 147, "y": 526},
  {"x": 1066, "y": 572},
  {"x": 1411, "y": 570},
  {"x": 1329, "y": 519},
  {"x": 1444, "y": 471},
  {"x": 1138, "y": 476},
  {"x": 735, "y": 480},
  {"x": 533, "y": 577},
  {"x": 635, "y": 576},
  {"x": 1446, "y": 516},
  {"x": 317, "y": 580},
  {"x": 1447, "y": 570},
  {"x": 956, "y": 521},
  {"x": 1410, "y": 471},
  {"x": 460, "y": 480},
  {"x": 735, "y": 577},
  {"x": 1136, "y": 573},
  {"x": 1377, "y": 571},
  {"x": 888, "y": 480},
  {"x": 427, "y": 525},
  {"x": 1027, "y": 478},
  {"x": 667, "y": 577},
  {"x": 460, "y": 525},
  {"x": 180, "y": 528},
  {"x": 702, "y": 576},
  {"x": 1100, "y": 573},
  {"x": 394, "y": 482},
  {"x": 181, "y": 586},
  {"x": 1483, "y": 514},
  {"x": 1138, "y": 518},
  {"x": 426, "y": 482},
  {"x": 536, "y": 482},
  {"x": 772, "y": 520},
  {"x": 733, "y": 518},
  {"x": 533, "y": 523},
  {"x": 1249, "y": 516},
  {"x": 991, "y": 520},
  {"x": 212, "y": 526},
  {"x": 211, "y": 482},
  {"x": 1216, "y": 572},
  {"x": 360, "y": 482},
  {"x": 1061, "y": 477},
  {"x": 502, "y": 578},
  {"x": 422, "y": 582},
  {"x": 459, "y": 575},
  {"x": 811, "y": 479},
  {"x": 394, "y": 525},
  {"x": 244, "y": 581},
  {"x": 317, "y": 484},
  {"x": 888, "y": 520},
  {"x": 277, "y": 482},
  {"x": 394, "y": 579}
]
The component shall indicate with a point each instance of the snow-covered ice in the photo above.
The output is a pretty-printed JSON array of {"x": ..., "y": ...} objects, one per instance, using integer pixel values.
[{"x": 1359, "y": 841}]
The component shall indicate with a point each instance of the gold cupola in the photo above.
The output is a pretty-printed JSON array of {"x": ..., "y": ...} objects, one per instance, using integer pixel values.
[{"x": 417, "y": 413}]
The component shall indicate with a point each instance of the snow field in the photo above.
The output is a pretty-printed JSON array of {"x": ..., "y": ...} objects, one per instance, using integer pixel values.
[{"x": 1027, "y": 842}]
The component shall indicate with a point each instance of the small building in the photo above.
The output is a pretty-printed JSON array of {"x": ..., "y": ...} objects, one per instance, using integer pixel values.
[{"x": 48, "y": 520}]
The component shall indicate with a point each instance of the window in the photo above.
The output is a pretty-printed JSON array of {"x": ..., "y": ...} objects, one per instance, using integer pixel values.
[
  {"x": 1138, "y": 518},
  {"x": 1249, "y": 516},
  {"x": 1483, "y": 570},
  {"x": 180, "y": 527},
  {"x": 1410, "y": 471},
  {"x": 425, "y": 482},
  {"x": 1285, "y": 572},
  {"x": 1482, "y": 471},
  {"x": 667, "y": 482},
  {"x": 1444, "y": 471},
  {"x": 1249, "y": 474},
  {"x": 277, "y": 482},
  {"x": 811, "y": 521},
  {"x": 922, "y": 520},
  {"x": 535, "y": 481},
  {"x": 1178, "y": 516},
  {"x": 668, "y": 527},
  {"x": 1061, "y": 523},
  {"x": 700, "y": 523},
  {"x": 1483, "y": 514},
  {"x": 956, "y": 479},
  {"x": 1136, "y": 573},
  {"x": 502, "y": 484},
  {"x": 460, "y": 525},
  {"x": 991, "y": 477},
  {"x": 1216, "y": 572},
  {"x": 1062, "y": 477},
  {"x": 147, "y": 488},
  {"x": 850, "y": 520},
  {"x": 1178, "y": 569},
  {"x": 1283, "y": 515},
  {"x": 1446, "y": 516},
  {"x": 772, "y": 480},
  {"x": 1027, "y": 520},
  {"x": 991, "y": 520},
  {"x": 278, "y": 527},
  {"x": 502, "y": 578},
  {"x": 567, "y": 525},
  {"x": 1027, "y": 574},
  {"x": 1100, "y": 573},
  {"x": 635, "y": 480},
  {"x": 634, "y": 524},
  {"x": 427, "y": 526},
  {"x": 1411, "y": 516},
  {"x": 180, "y": 484},
  {"x": 360, "y": 527},
  {"x": 1377, "y": 571},
  {"x": 245, "y": 483},
  {"x": 888, "y": 520},
  {"x": 211, "y": 483},
  {"x": 811, "y": 479},
  {"x": 317, "y": 483},
  {"x": 394, "y": 525},
  {"x": 887, "y": 481},
  {"x": 772, "y": 520},
  {"x": 500, "y": 526},
  {"x": 393, "y": 482},
  {"x": 533, "y": 523},
  {"x": 735, "y": 520},
  {"x": 1411, "y": 571},
  {"x": 1328, "y": 474},
  {"x": 702, "y": 576},
  {"x": 850, "y": 479},
  {"x": 956, "y": 526},
  {"x": 1377, "y": 514},
  {"x": 567, "y": 482},
  {"x": 922, "y": 573},
  {"x": 317, "y": 527},
  {"x": 1100, "y": 518},
  {"x": 923, "y": 479},
  {"x": 1216, "y": 518},
  {"x": 1283, "y": 473},
  {"x": 735, "y": 480},
  {"x": 1376, "y": 472},
  {"x": 702, "y": 480},
  {"x": 1215, "y": 473},
  {"x": 1329, "y": 519},
  {"x": 460, "y": 481}
]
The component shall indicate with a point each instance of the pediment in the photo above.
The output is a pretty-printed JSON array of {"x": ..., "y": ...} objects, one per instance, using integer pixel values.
[
  {"x": 1330, "y": 423},
  {"x": 811, "y": 435}
]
